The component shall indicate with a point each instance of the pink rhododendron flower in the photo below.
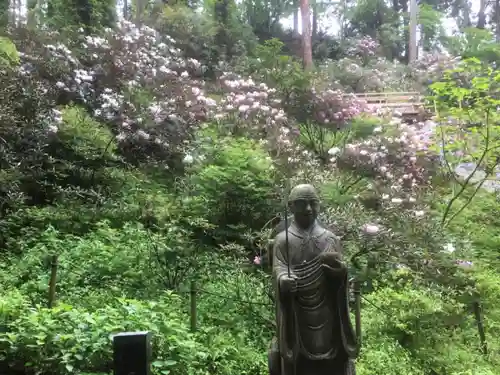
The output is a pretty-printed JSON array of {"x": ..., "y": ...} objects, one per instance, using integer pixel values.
[{"x": 257, "y": 260}]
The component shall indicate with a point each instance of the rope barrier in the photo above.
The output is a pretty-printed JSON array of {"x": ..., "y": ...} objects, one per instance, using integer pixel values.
[{"x": 81, "y": 272}]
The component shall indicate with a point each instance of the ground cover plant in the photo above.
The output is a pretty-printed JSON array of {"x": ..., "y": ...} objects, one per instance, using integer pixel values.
[{"x": 149, "y": 161}]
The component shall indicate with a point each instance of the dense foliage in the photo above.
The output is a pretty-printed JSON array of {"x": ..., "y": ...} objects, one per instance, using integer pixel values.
[{"x": 152, "y": 160}]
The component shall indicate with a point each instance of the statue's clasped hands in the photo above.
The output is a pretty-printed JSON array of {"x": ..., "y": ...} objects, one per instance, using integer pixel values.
[
  {"x": 332, "y": 260},
  {"x": 288, "y": 283}
]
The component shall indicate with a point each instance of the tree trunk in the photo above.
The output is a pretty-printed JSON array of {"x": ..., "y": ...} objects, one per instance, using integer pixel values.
[
  {"x": 315, "y": 20},
  {"x": 481, "y": 16},
  {"x": 405, "y": 49},
  {"x": 395, "y": 6},
  {"x": 497, "y": 20},
  {"x": 413, "y": 32},
  {"x": 84, "y": 9},
  {"x": 466, "y": 15},
  {"x": 32, "y": 8},
  {"x": 306, "y": 34},
  {"x": 12, "y": 13},
  {"x": 139, "y": 5},
  {"x": 296, "y": 17}
]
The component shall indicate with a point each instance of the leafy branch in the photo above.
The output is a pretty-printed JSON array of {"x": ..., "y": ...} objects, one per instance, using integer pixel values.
[{"x": 474, "y": 107}]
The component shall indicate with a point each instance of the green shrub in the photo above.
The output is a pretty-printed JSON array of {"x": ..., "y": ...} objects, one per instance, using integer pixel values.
[
  {"x": 8, "y": 53},
  {"x": 66, "y": 339},
  {"x": 425, "y": 330},
  {"x": 475, "y": 43},
  {"x": 321, "y": 138},
  {"x": 233, "y": 188},
  {"x": 88, "y": 138},
  {"x": 386, "y": 356},
  {"x": 107, "y": 259},
  {"x": 362, "y": 127},
  {"x": 478, "y": 223},
  {"x": 248, "y": 311},
  {"x": 198, "y": 35}
]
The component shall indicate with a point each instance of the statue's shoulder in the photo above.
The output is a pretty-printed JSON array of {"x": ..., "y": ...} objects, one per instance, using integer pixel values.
[
  {"x": 321, "y": 227},
  {"x": 322, "y": 231},
  {"x": 280, "y": 238}
]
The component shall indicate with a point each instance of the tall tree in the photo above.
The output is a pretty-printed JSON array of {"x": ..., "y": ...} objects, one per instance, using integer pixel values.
[
  {"x": 264, "y": 15},
  {"x": 430, "y": 22},
  {"x": 481, "y": 15},
  {"x": 497, "y": 20},
  {"x": 139, "y": 10},
  {"x": 306, "y": 34},
  {"x": 296, "y": 17}
]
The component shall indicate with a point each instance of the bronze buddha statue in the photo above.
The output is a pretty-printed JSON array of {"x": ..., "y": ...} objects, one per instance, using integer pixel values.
[{"x": 314, "y": 332}]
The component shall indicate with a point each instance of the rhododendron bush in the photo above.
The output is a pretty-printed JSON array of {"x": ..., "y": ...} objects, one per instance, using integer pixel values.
[
  {"x": 335, "y": 108},
  {"x": 391, "y": 169},
  {"x": 362, "y": 69},
  {"x": 139, "y": 84}
]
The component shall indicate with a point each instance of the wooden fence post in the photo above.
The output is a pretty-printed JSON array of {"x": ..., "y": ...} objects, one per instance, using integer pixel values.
[
  {"x": 480, "y": 326},
  {"x": 132, "y": 353},
  {"x": 52, "y": 282},
  {"x": 357, "y": 301},
  {"x": 193, "y": 306}
]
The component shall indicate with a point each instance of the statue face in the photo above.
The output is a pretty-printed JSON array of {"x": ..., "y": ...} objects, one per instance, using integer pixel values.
[{"x": 305, "y": 211}]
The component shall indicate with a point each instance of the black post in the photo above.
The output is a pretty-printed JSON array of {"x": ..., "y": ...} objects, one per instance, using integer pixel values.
[
  {"x": 480, "y": 326},
  {"x": 357, "y": 301},
  {"x": 52, "y": 282},
  {"x": 193, "y": 319},
  {"x": 132, "y": 353}
]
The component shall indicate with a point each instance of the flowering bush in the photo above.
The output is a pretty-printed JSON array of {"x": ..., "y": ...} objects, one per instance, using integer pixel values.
[
  {"x": 27, "y": 126},
  {"x": 364, "y": 48},
  {"x": 335, "y": 108},
  {"x": 249, "y": 104},
  {"x": 393, "y": 157},
  {"x": 377, "y": 184},
  {"x": 138, "y": 83},
  {"x": 373, "y": 75},
  {"x": 431, "y": 67}
]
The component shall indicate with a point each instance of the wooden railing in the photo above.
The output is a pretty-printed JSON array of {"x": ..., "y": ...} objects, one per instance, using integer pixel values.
[{"x": 409, "y": 103}]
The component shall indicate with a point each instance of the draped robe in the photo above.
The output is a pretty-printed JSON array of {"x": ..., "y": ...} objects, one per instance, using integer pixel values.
[{"x": 314, "y": 331}]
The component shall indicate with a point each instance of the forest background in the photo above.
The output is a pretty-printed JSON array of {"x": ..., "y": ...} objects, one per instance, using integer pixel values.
[{"x": 148, "y": 146}]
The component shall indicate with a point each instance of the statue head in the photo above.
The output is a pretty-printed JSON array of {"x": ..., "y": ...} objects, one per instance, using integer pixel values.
[{"x": 304, "y": 204}]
